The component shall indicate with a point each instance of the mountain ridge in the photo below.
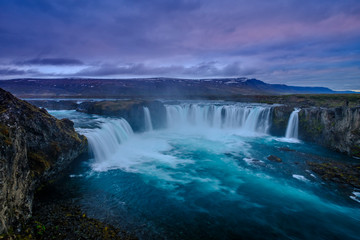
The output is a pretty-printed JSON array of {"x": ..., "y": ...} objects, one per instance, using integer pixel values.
[{"x": 151, "y": 87}]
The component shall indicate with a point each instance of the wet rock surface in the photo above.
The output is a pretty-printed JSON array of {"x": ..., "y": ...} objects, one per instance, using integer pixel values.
[
  {"x": 274, "y": 158},
  {"x": 286, "y": 149},
  {"x": 341, "y": 173}
]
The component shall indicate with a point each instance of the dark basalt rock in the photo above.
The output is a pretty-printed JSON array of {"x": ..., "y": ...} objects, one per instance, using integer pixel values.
[
  {"x": 286, "y": 149},
  {"x": 341, "y": 173},
  {"x": 274, "y": 158},
  {"x": 334, "y": 128},
  {"x": 34, "y": 148},
  {"x": 279, "y": 119}
]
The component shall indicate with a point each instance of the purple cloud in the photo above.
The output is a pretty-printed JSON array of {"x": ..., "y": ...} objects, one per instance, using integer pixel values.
[
  {"x": 269, "y": 36},
  {"x": 51, "y": 61}
]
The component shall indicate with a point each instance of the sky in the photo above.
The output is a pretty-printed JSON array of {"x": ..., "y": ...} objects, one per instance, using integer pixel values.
[{"x": 301, "y": 43}]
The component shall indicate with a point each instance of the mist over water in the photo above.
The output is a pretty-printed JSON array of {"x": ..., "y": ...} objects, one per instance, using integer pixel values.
[{"x": 206, "y": 175}]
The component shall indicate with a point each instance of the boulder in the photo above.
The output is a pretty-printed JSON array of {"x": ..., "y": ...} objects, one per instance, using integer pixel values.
[{"x": 274, "y": 158}]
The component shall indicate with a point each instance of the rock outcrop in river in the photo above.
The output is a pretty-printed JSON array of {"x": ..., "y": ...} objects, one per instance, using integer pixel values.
[{"x": 34, "y": 148}]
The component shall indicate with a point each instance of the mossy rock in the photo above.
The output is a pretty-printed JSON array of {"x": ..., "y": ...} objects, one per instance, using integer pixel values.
[
  {"x": 348, "y": 174},
  {"x": 38, "y": 161},
  {"x": 274, "y": 158},
  {"x": 355, "y": 151}
]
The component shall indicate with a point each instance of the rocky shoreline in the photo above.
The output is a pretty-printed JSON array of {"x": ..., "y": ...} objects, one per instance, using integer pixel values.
[{"x": 64, "y": 220}]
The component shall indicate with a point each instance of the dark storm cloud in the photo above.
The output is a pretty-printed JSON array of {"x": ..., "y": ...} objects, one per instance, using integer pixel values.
[
  {"x": 14, "y": 71},
  {"x": 51, "y": 61},
  {"x": 158, "y": 33}
]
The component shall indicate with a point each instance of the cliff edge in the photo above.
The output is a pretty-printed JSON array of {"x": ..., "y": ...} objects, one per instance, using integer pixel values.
[
  {"x": 335, "y": 128},
  {"x": 34, "y": 148}
]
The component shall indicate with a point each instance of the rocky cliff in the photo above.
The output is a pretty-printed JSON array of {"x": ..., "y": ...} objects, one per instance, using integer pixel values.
[
  {"x": 34, "y": 148},
  {"x": 335, "y": 128}
]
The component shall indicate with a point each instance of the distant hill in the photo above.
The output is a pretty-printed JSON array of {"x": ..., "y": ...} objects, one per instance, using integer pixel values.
[{"x": 150, "y": 87}]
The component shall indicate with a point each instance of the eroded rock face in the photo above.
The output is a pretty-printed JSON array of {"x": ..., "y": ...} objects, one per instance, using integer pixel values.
[
  {"x": 279, "y": 119},
  {"x": 34, "y": 148},
  {"x": 336, "y": 128}
]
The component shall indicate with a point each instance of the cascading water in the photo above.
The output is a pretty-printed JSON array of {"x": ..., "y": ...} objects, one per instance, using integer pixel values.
[
  {"x": 207, "y": 184},
  {"x": 104, "y": 141},
  {"x": 293, "y": 125},
  {"x": 249, "y": 118},
  {"x": 147, "y": 119}
]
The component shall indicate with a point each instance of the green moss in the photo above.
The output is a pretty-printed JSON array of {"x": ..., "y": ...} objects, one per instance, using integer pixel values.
[
  {"x": 55, "y": 148},
  {"x": 338, "y": 172},
  {"x": 312, "y": 127},
  {"x": 69, "y": 131},
  {"x": 38, "y": 161},
  {"x": 355, "y": 151},
  {"x": 4, "y": 135},
  {"x": 111, "y": 106},
  {"x": 40, "y": 228},
  {"x": 4, "y": 130}
]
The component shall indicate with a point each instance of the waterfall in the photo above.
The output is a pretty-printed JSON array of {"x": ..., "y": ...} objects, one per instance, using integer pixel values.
[
  {"x": 249, "y": 118},
  {"x": 104, "y": 141},
  {"x": 147, "y": 119},
  {"x": 293, "y": 125}
]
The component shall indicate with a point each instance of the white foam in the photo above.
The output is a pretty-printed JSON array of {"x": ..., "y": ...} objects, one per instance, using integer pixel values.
[
  {"x": 288, "y": 140},
  {"x": 138, "y": 151},
  {"x": 104, "y": 142},
  {"x": 252, "y": 161},
  {"x": 300, "y": 177},
  {"x": 75, "y": 175},
  {"x": 356, "y": 196}
]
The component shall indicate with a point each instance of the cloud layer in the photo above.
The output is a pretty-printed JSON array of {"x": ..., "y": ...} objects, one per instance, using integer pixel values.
[
  {"x": 51, "y": 62},
  {"x": 293, "y": 42}
]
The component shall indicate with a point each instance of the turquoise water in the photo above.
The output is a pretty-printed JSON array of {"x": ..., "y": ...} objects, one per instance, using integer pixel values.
[{"x": 196, "y": 182}]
